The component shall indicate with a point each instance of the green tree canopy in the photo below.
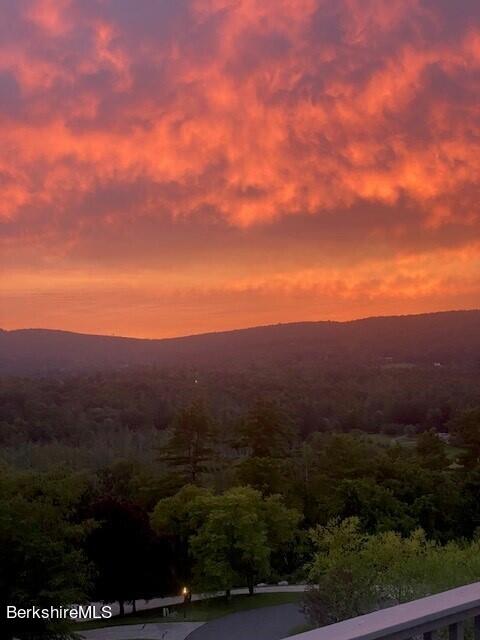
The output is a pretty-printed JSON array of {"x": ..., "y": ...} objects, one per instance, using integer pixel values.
[
  {"x": 466, "y": 428},
  {"x": 174, "y": 520},
  {"x": 41, "y": 562},
  {"x": 239, "y": 530},
  {"x": 431, "y": 451},
  {"x": 354, "y": 572}
]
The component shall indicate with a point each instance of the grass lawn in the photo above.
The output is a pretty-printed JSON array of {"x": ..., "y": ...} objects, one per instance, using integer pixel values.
[
  {"x": 409, "y": 442},
  {"x": 383, "y": 438},
  {"x": 198, "y": 611}
]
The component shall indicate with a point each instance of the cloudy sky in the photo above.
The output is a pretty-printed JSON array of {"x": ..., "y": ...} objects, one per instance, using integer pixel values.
[{"x": 177, "y": 166}]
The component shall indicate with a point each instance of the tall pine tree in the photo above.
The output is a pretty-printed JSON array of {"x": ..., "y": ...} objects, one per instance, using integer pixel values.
[{"x": 189, "y": 447}]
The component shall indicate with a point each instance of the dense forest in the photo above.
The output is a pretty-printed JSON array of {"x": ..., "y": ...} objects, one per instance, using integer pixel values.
[
  {"x": 149, "y": 477},
  {"x": 90, "y": 419}
]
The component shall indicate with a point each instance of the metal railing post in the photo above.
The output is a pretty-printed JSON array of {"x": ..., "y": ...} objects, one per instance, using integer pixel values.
[
  {"x": 476, "y": 628},
  {"x": 455, "y": 631}
]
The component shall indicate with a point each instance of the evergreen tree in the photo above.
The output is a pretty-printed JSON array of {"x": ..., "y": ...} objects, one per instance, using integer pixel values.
[
  {"x": 189, "y": 447},
  {"x": 266, "y": 431},
  {"x": 431, "y": 451}
]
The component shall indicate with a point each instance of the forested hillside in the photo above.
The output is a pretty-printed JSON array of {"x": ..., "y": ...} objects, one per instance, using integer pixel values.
[
  {"x": 449, "y": 338},
  {"x": 327, "y": 436}
]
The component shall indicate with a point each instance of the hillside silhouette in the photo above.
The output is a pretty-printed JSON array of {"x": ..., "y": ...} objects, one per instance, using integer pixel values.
[{"x": 444, "y": 337}]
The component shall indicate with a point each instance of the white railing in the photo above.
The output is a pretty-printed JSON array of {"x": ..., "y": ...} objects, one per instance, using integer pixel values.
[{"x": 447, "y": 610}]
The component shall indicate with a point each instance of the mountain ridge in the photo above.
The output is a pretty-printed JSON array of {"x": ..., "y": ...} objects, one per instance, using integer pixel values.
[{"x": 453, "y": 336}]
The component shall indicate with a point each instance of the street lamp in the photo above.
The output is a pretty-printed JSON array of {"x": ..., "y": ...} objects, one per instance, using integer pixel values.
[{"x": 185, "y": 600}]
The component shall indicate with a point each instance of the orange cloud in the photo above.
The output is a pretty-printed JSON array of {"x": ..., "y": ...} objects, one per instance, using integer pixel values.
[
  {"x": 241, "y": 115},
  {"x": 150, "y": 303}
]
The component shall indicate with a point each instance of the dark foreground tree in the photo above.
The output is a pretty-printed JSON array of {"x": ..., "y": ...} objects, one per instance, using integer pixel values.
[
  {"x": 173, "y": 520},
  {"x": 128, "y": 558},
  {"x": 40, "y": 559}
]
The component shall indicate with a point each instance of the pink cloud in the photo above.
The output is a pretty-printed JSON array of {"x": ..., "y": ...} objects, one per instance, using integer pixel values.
[{"x": 119, "y": 115}]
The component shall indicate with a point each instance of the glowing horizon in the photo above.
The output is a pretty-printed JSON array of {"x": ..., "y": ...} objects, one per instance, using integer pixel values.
[
  {"x": 176, "y": 168},
  {"x": 236, "y": 328}
]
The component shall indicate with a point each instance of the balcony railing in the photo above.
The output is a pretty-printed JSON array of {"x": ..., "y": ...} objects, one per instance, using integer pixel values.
[{"x": 448, "y": 610}]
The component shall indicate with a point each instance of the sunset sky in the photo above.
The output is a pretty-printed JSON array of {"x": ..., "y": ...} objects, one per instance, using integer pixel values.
[{"x": 170, "y": 167}]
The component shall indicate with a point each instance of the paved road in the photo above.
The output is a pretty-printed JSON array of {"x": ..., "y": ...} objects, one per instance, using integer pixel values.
[
  {"x": 268, "y": 623},
  {"x": 143, "y": 605}
]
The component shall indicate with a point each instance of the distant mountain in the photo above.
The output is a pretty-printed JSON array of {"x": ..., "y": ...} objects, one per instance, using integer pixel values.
[{"x": 446, "y": 338}]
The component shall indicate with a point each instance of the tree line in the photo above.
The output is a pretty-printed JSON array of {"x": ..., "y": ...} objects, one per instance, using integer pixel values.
[
  {"x": 215, "y": 508},
  {"x": 90, "y": 419}
]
